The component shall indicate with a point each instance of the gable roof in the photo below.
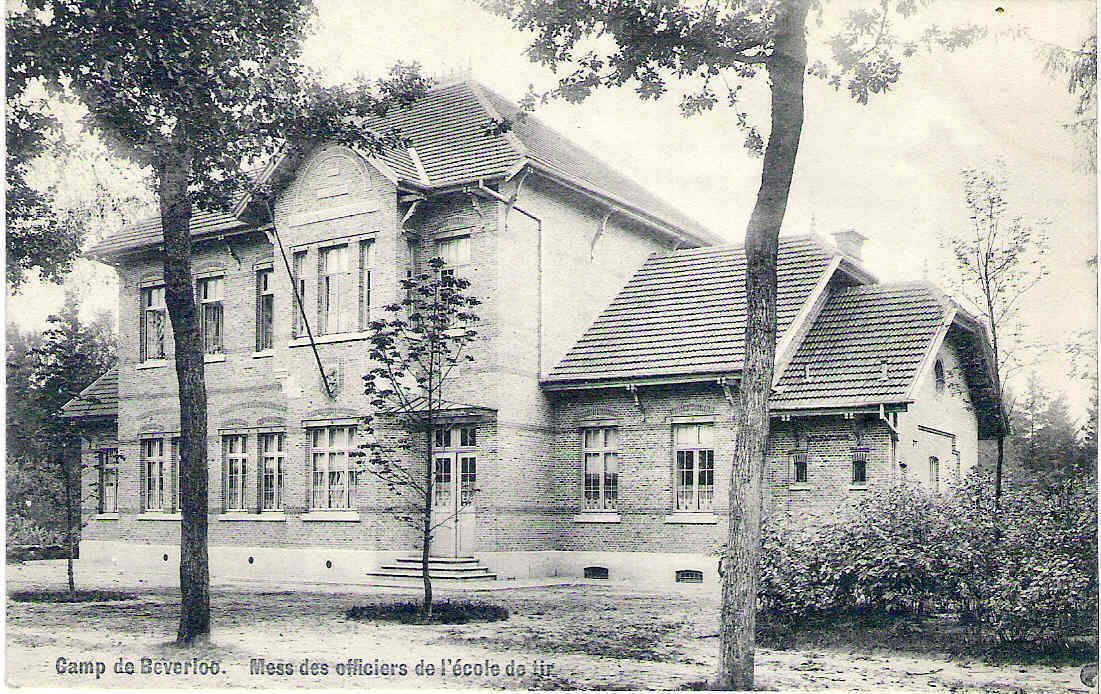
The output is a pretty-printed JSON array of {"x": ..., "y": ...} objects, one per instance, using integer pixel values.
[
  {"x": 453, "y": 141},
  {"x": 684, "y": 313},
  {"x": 100, "y": 399},
  {"x": 839, "y": 362}
]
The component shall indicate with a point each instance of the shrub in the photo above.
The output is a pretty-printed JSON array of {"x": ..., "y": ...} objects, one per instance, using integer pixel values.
[
  {"x": 449, "y": 612},
  {"x": 1025, "y": 571},
  {"x": 25, "y": 531}
]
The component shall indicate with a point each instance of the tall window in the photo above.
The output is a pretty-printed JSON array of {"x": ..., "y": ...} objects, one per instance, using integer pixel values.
[
  {"x": 154, "y": 469},
  {"x": 938, "y": 376},
  {"x": 209, "y": 291},
  {"x": 364, "y": 284},
  {"x": 236, "y": 471},
  {"x": 860, "y": 466},
  {"x": 154, "y": 320},
  {"x": 934, "y": 473},
  {"x": 107, "y": 463},
  {"x": 271, "y": 475},
  {"x": 174, "y": 448},
  {"x": 600, "y": 455},
  {"x": 334, "y": 281},
  {"x": 695, "y": 456},
  {"x": 298, "y": 328},
  {"x": 332, "y": 482},
  {"x": 454, "y": 252},
  {"x": 265, "y": 309},
  {"x": 799, "y": 466}
]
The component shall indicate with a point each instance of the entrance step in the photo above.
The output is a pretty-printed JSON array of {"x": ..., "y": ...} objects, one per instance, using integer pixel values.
[{"x": 447, "y": 568}]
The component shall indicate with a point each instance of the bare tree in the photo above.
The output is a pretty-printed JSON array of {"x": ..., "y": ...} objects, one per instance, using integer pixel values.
[{"x": 999, "y": 257}]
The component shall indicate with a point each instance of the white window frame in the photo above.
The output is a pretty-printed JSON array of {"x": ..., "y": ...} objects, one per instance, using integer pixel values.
[
  {"x": 323, "y": 451},
  {"x": 353, "y": 286},
  {"x": 153, "y": 457},
  {"x": 799, "y": 457},
  {"x": 149, "y": 293},
  {"x": 273, "y": 459},
  {"x": 461, "y": 440},
  {"x": 265, "y": 309},
  {"x": 934, "y": 473},
  {"x": 694, "y": 446},
  {"x": 601, "y": 445},
  {"x": 455, "y": 251},
  {"x": 298, "y": 281},
  {"x": 210, "y": 296},
  {"x": 236, "y": 461},
  {"x": 333, "y": 281},
  {"x": 107, "y": 462}
]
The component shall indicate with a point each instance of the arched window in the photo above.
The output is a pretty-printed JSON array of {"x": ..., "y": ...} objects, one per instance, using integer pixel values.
[
  {"x": 934, "y": 473},
  {"x": 938, "y": 374}
]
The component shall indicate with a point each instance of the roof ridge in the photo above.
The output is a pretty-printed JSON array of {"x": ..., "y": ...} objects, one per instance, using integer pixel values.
[{"x": 740, "y": 245}]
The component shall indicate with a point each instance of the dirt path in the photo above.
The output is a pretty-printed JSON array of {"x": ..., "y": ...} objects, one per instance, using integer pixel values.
[{"x": 562, "y": 637}]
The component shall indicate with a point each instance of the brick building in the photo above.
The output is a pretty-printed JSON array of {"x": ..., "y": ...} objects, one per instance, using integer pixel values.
[{"x": 594, "y": 423}]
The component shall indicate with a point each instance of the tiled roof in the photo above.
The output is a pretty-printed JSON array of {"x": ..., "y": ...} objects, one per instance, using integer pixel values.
[
  {"x": 553, "y": 150},
  {"x": 684, "y": 313},
  {"x": 859, "y": 329},
  {"x": 450, "y": 133},
  {"x": 100, "y": 399}
]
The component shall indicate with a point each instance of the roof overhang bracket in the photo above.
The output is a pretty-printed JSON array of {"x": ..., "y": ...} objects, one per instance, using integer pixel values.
[
  {"x": 886, "y": 420},
  {"x": 599, "y": 232},
  {"x": 417, "y": 200},
  {"x": 229, "y": 248},
  {"x": 728, "y": 393},
  {"x": 633, "y": 390}
]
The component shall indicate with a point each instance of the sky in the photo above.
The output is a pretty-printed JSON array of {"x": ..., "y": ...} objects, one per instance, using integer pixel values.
[{"x": 889, "y": 169}]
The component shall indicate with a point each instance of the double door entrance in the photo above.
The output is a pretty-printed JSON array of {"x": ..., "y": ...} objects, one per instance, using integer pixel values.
[{"x": 455, "y": 476}]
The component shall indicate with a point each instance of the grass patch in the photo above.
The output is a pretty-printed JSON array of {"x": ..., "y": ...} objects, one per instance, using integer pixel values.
[
  {"x": 66, "y": 596},
  {"x": 448, "y": 612}
]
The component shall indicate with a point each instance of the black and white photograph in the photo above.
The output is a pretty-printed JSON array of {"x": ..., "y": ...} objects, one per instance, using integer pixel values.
[{"x": 552, "y": 345}]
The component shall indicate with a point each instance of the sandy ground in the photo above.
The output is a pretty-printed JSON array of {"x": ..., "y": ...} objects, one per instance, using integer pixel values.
[{"x": 563, "y": 637}]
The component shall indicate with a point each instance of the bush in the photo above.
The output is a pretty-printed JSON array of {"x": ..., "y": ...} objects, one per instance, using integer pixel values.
[
  {"x": 66, "y": 596},
  {"x": 1025, "y": 571},
  {"x": 449, "y": 612},
  {"x": 25, "y": 531}
]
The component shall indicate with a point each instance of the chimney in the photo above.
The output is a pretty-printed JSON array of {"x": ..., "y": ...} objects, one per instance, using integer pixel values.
[{"x": 849, "y": 241}]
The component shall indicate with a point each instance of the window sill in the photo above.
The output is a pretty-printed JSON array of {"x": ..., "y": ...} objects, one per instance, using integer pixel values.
[
  {"x": 107, "y": 516},
  {"x": 263, "y": 355},
  {"x": 266, "y": 516},
  {"x": 858, "y": 487},
  {"x": 214, "y": 358},
  {"x": 692, "y": 518},
  {"x": 323, "y": 515},
  {"x": 801, "y": 487},
  {"x": 153, "y": 364},
  {"x": 159, "y": 516},
  {"x": 597, "y": 517},
  {"x": 326, "y": 339}
]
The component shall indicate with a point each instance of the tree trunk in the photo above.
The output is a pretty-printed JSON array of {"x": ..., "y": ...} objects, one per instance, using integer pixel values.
[
  {"x": 172, "y": 174},
  {"x": 67, "y": 474},
  {"x": 786, "y": 68},
  {"x": 426, "y": 541},
  {"x": 998, "y": 472}
]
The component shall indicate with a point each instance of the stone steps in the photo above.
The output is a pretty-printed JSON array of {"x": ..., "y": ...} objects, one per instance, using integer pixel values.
[{"x": 446, "y": 568}]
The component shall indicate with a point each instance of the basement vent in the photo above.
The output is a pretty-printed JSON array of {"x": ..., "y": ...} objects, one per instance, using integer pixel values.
[
  {"x": 689, "y": 576},
  {"x": 596, "y": 572}
]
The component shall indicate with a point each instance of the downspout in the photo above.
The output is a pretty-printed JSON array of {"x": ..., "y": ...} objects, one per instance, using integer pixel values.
[{"x": 510, "y": 204}]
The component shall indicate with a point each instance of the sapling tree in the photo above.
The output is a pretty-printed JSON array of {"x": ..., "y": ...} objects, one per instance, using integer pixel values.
[
  {"x": 709, "y": 51},
  {"x": 196, "y": 91},
  {"x": 69, "y": 357},
  {"x": 999, "y": 258},
  {"x": 415, "y": 351}
]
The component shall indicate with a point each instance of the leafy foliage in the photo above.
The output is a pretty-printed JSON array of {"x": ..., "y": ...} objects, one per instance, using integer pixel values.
[
  {"x": 1025, "y": 572},
  {"x": 715, "y": 49}
]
